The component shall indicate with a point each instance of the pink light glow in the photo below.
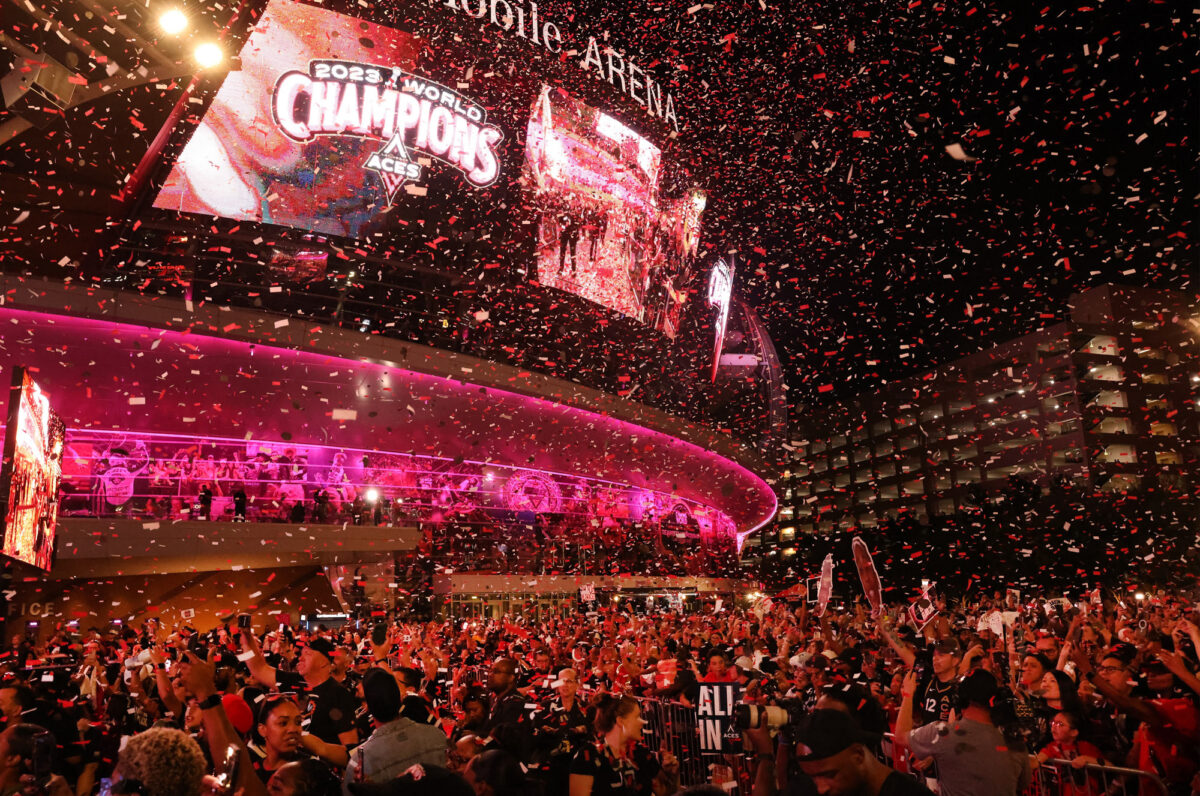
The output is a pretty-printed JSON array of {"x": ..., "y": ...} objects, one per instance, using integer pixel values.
[{"x": 538, "y": 434}]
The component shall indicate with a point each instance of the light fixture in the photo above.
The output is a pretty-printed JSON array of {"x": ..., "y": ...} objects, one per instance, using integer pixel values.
[
  {"x": 372, "y": 495},
  {"x": 208, "y": 55},
  {"x": 1139, "y": 596},
  {"x": 173, "y": 21}
]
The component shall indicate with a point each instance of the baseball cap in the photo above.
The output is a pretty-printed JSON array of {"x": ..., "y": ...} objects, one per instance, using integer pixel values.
[
  {"x": 1155, "y": 666},
  {"x": 979, "y": 688},
  {"x": 1123, "y": 651},
  {"x": 322, "y": 645},
  {"x": 824, "y": 733},
  {"x": 948, "y": 646}
]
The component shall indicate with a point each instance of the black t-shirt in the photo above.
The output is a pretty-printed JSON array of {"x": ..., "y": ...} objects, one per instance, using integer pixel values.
[
  {"x": 937, "y": 698},
  {"x": 258, "y": 761},
  {"x": 328, "y": 709},
  {"x": 633, "y": 776},
  {"x": 898, "y": 784}
]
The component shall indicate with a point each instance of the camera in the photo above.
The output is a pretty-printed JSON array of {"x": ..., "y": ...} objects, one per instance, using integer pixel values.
[{"x": 785, "y": 714}]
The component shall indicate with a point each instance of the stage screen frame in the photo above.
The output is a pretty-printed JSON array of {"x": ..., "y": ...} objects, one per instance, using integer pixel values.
[{"x": 33, "y": 433}]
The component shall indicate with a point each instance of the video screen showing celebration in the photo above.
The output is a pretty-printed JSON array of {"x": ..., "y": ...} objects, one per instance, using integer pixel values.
[
  {"x": 33, "y": 445},
  {"x": 327, "y": 126},
  {"x": 604, "y": 232}
]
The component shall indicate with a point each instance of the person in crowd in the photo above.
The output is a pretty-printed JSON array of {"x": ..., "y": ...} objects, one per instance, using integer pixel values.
[
  {"x": 938, "y": 695},
  {"x": 560, "y": 728},
  {"x": 414, "y": 706},
  {"x": 1058, "y": 694},
  {"x": 508, "y": 706},
  {"x": 1067, "y": 745},
  {"x": 495, "y": 772},
  {"x": 398, "y": 743},
  {"x": 970, "y": 754},
  {"x": 834, "y": 756},
  {"x": 16, "y": 699},
  {"x": 163, "y": 762},
  {"x": 1124, "y": 680},
  {"x": 279, "y": 732},
  {"x": 617, "y": 763},
  {"x": 331, "y": 707},
  {"x": 718, "y": 669}
]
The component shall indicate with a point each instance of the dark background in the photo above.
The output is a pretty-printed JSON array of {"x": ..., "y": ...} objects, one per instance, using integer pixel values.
[{"x": 820, "y": 131}]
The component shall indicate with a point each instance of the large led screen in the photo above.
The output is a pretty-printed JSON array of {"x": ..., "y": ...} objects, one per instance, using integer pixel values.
[
  {"x": 603, "y": 232},
  {"x": 326, "y": 127},
  {"x": 33, "y": 445},
  {"x": 409, "y": 141}
]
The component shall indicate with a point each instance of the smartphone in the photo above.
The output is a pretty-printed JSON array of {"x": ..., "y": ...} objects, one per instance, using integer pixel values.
[
  {"x": 379, "y": 633},
  {"x": 227, "y": 770},
  {"x": 42, "y": 761},
  {"x": 105, "y": 787},
  {"x": 243, "y": 621}
]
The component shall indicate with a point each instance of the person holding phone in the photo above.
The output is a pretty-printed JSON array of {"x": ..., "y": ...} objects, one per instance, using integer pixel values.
[
  {"x": 26, "y": 760},
  {"x": 329, "y": 707}
]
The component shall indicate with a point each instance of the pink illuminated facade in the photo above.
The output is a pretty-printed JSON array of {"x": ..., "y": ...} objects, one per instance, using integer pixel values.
[{"x": 190, "y": 410}]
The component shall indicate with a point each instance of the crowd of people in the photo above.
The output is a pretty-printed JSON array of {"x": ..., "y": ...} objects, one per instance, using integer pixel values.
[{"x": 972, "y": 701}]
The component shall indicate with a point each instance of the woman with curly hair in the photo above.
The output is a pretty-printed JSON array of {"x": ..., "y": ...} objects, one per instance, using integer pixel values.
[{"x": 163, "y": 762}]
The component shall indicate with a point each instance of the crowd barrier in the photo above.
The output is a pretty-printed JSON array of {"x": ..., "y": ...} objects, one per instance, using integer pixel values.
[
  {"x": 1052, "y": 778},
  {"x": 1060, "y": 778},
  {"x": 674, "y": 726}
]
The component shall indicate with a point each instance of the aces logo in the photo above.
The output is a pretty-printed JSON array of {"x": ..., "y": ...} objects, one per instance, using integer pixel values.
[{"x": 410, "y": 114}]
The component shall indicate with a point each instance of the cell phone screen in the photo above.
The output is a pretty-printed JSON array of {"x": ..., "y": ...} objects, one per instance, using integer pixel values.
[
  {"x": 43, "y": 758},
  {"x": 227, "y": 772}
]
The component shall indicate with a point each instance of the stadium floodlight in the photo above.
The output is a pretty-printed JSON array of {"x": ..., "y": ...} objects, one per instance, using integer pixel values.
[
  {"x": 173, "y": 21},
  {"x": 208, "y": 55}
]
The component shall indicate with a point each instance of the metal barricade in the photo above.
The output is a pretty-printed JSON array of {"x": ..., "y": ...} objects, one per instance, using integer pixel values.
[
  {"x": 672, "y": 725},
  {"x": 898, "y": 757},
  {"x": 1052, "y": 778},
  {"x": 1060, "y": 778}
]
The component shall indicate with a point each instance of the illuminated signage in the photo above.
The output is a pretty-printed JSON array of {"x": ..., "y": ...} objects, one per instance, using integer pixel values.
[
  {"x": 720, "y": 290},
  {"x": 410, "y": 113},
  {"x": 603, "y": 63},
  {"x": 29, "y": 478}
]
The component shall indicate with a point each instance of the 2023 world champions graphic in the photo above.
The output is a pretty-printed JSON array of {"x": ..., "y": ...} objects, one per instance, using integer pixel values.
[{"x": 410, "y": 113}]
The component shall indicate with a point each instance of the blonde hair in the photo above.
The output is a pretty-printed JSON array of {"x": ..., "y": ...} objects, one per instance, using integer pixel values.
[{"x": 167, "y": 762}]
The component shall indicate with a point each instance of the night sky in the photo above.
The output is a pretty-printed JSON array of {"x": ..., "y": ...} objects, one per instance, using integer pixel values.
[
  {"x": 904, "y": 182},
  {"x": 874, "y": 250}
]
